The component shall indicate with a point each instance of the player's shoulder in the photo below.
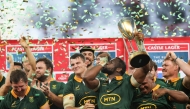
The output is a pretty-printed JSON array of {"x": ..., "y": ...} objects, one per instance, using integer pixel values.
[
  {"x": 56, "y": 82},
  {"x": 35, "y": 92}
]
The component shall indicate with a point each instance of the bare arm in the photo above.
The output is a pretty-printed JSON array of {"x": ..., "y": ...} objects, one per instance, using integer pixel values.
[
  {"x": 30, "y": 74},
  {"x": 186, "y": 69},
  {"x": 174, "y": 95},
  {"x": 57, "y": 100},
  {"x": 178, "y": 96},
  {"x": 183, "y": 66},
  {"x": 31, "y": 57},
  {"x": 90, "y": 77},
  {"x": 5, "y": 87},
  {"x": 140, "y": 74}
]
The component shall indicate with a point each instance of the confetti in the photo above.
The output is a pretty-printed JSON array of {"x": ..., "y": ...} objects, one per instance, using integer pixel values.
[
  {"x": 49, "y": 19},
  {"x": 1, "y": 98}
]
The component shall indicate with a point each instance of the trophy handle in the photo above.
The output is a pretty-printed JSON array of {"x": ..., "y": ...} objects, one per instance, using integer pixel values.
[
  {"x": 131, "y": 46},
  {"x": 125, "y": 44},
  {"x": 140, "y": 45}
]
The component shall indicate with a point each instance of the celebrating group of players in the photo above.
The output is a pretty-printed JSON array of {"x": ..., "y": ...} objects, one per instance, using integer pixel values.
[{"x": 105, "y": 85}]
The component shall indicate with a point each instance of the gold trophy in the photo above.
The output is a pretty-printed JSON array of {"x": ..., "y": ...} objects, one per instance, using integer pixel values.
[{"x": 127, "y": 28}]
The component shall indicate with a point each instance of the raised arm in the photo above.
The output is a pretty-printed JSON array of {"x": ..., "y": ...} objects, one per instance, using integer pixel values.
[
  {"x": 5, "y": 87},
  {"x": 185, "y": 67},
  {"x": 90, "y": 77},
  {"x": 140, "y": 74},
  {"x": 29, "y": 53}
]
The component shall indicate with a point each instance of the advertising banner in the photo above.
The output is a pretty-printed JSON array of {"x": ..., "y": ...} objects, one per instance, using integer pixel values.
[
  {"x": 158, "y": 47},
  {"x": 38, "y": 51},
  {"x": 59, "y": 51}
]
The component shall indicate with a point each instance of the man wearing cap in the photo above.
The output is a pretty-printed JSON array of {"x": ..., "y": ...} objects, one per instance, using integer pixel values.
[{"x": 88, "y": 52}]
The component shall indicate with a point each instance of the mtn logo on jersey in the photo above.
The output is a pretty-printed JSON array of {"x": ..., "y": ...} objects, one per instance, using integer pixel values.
[
  {"x": 93, "y": 100},
  {"x": 110, "y": 99},
  {"x": 147, "y": 106}
]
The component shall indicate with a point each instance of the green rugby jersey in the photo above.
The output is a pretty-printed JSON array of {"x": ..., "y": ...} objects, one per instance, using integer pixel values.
[
  {"x": 80, "y": 91},
  {"x": 56, "y": 88},
  {"x": 71, "y": 77},
  {"x": 145, "y": 101},
  {"x": 117, "y": 94},
  {"x": 177, "y": 83},
  {"x": 34, "y": 99},
  {"x": 160, "y": 82},
  {"x": 125, "y": 75}
]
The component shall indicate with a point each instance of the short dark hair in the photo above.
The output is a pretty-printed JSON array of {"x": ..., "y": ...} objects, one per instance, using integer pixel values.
[
  {"x": 76, "y": 55},
  {"x": 87, "y": 48},
  {"x": 18, "y": 64},
  {"x": 155, "y": 66},
  {"x": 108, "y": 55},
  {"x": 47, "y": 62},
  {"x": 122, "y": 65},
  {"x": 17, "y": 75}
]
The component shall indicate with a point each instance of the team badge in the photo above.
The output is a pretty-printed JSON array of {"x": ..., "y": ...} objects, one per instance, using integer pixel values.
[
  {"x": 31, "y": 99},
  {"x": 174, "y": 84},
  {"x": 77, "y": 88},
  {"x": 13, "y": 104},
  {"x": 119, "y": 83},
  {"x": 53, "y": 86}
]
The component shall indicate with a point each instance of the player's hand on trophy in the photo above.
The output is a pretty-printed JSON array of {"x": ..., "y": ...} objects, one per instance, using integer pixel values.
[
  {"x": 103, "y": 60},
  {"x": 23, "y": 41},
  {"x": 139, "y": 36}
]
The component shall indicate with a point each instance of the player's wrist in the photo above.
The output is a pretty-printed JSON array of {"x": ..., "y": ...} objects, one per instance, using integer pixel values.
[
  {"x": 49, "y": 95},
  {"x": 25, "y": 46},
  {"x": 166, "y": 90}
]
